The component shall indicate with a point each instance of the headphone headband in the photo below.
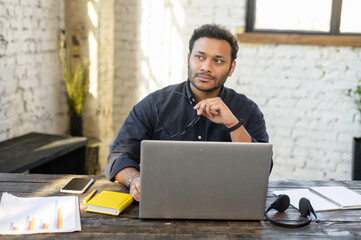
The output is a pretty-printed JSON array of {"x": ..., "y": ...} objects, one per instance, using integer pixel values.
[{"x": 282, "y": 202}]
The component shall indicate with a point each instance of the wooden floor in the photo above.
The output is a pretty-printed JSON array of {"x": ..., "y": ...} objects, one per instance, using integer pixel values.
[{"x": 345, "y": 224}]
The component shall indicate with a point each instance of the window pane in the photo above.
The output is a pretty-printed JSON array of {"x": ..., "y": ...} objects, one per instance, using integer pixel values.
[
  {"x": 302, "y": 15},
  {"x": 351, "y": 16}
]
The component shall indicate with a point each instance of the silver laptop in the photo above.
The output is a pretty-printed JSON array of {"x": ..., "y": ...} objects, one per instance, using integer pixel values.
[{"x": 204, "y": 180}]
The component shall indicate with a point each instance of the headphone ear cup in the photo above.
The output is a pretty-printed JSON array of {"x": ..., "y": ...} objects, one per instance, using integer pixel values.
[
  {"x": 304, "y": 207},
  {"x": 282, "y": 203}
]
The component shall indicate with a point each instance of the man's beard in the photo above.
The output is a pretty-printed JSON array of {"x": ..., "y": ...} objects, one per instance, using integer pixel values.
[{"x": 220, "y": 83}]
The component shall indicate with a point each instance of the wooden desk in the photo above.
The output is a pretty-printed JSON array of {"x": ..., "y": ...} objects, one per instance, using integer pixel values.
[{"x": 333, "y": 225}]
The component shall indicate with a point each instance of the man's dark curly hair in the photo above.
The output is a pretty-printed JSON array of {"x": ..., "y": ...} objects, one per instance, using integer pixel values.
[{"x": 215, "y": 31}]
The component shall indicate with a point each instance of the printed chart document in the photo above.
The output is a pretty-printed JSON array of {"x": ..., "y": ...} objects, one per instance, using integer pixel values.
[
  {"x": 38, "y": 214},
  {"x": 325, "y": 198}
]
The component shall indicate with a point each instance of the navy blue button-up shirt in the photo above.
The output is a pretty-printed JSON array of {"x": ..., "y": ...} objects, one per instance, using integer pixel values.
[{"x": 168, "y": 114}]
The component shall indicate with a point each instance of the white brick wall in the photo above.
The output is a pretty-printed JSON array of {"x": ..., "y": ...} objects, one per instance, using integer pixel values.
[
  {"x": 32, "y": 96},
  {"x": 127, "y": 41},
  {"x": 300, "y": 89},
  {"x": 301, "y": 92}
]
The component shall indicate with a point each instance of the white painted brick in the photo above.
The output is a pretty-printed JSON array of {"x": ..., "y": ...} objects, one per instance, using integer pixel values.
[
  {"x": 19, "y": 74},
  {"x": 343, "y": 168},
  {"x": 299, "y": 88},
  {"x": 347, "y": 157},
  {"x": 4, "y": 126}
]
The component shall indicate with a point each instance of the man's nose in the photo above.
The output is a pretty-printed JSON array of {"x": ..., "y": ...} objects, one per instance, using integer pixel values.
[{"x": 207, "y": 66}]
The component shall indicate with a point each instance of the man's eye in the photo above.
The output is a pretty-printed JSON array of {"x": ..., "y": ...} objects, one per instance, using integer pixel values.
[
  {"x": 218, "y": 61},
  {"x": 199, "y": 57}
]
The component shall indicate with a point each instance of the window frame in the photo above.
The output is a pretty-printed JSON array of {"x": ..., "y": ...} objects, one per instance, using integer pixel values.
[{"x": 333, "y": 37}]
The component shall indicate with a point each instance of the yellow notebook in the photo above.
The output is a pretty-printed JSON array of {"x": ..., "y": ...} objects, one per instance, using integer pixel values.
[{"x": 109, "y": 202}]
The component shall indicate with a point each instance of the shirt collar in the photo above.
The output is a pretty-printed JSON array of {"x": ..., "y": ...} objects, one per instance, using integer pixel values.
[{"x": 187, "y": 91}]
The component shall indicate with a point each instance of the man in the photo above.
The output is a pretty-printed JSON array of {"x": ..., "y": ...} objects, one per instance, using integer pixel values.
[{"x": 200, "y": 109}]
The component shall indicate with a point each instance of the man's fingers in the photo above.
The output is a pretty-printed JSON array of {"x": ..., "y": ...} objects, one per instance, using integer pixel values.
[
  {"x": 212, "y": 108},
  {"x": 135, "y": 193},
  {"x": 135, "y": 189}
]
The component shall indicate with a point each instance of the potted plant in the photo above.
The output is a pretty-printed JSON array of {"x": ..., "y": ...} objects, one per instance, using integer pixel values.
[
  {"x": 355, "y": 94},
  {"x": 75, "y": 73}
]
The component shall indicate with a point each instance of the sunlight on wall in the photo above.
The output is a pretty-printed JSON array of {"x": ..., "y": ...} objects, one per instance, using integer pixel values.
[
  {"x": 93, "y": 70},
  {"x": 144, "y": 27},
  {"x": 178, "y": 13},
  {"x": 167, "y": 44},
  {"x": 143, "y": 88},
  {"x": 161, "y": 45},
  {"x": 177, "y": 55},
  {"x": 92, "y": 14},
  {"x": 93, "y": 50}
]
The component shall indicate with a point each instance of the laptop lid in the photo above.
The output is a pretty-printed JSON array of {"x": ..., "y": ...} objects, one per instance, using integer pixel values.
[{"x": 204, "y": 180}]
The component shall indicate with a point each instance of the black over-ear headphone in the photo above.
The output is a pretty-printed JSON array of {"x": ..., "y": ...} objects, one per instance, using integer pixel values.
[{"x": 282, "y": 202}]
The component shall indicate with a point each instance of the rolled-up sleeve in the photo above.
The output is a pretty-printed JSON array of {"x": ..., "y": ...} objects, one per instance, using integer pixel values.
[{"x": 124, "y": 150}]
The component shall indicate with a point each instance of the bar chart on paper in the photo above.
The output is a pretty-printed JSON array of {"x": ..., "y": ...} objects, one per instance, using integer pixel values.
[
  {"x": 38, "y": 215},
  {"x": 40, "y": 222}
]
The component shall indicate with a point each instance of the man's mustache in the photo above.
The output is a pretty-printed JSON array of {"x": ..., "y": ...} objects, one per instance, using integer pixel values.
[{"x": 204, "y": 74}]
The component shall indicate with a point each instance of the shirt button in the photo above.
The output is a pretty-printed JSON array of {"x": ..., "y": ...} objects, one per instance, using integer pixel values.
[{"x": 199, "y": 137}]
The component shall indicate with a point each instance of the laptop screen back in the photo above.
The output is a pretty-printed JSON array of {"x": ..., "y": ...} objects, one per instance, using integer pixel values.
[{"x": 204, "y": 180}]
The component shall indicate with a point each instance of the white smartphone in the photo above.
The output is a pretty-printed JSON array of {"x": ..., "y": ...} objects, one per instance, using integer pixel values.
[{"x": 77, "y": 185}]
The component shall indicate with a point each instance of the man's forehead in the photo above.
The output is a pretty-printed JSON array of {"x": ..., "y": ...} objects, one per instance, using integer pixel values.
[{"x": 212, "y": 46}]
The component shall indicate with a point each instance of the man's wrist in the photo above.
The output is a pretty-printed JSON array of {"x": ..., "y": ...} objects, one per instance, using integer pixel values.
[
  {"x": 132, "y": 178},
  {"x": 236, "y": 126},
  {"x": 232, "y": 122}
]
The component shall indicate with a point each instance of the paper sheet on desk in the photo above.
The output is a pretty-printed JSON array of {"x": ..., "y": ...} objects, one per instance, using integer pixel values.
[
  {"x": 318, "y": 203},
  {"x": 38, "y": 214}
]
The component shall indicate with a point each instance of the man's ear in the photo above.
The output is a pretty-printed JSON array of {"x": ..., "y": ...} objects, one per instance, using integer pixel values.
[{"x": 231, "y": 70}]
